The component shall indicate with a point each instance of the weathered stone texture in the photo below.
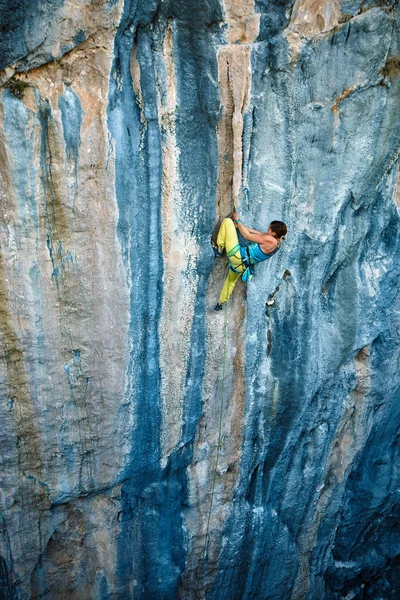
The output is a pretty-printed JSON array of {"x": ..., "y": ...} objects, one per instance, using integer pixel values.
[{"x": 128, "y": 129}]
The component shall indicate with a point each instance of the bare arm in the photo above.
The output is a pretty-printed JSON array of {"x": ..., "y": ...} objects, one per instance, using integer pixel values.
[
  {"x": 252, "y": 235},
  {"x": 267, "y": 242}
]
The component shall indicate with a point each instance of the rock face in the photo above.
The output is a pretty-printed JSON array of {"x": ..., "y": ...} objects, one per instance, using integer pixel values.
[{"x": 150, "y": 447}]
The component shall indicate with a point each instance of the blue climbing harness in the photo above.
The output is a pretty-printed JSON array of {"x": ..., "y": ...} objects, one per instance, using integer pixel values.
[{"x": 249, "y": 255}]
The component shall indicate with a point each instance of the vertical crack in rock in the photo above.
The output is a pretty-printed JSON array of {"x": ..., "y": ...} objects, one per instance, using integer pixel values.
[
  {"x": 234, "y": 76},
  {"x": 206, "y": 520}
]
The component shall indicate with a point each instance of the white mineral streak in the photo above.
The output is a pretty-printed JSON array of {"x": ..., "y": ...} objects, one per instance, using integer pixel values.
[
  {"x": 396, "y": 192},
  {"x": 351, "y": 433},
  {"x": 309, "y": 18},
  {"x": 179, "y": 251}
]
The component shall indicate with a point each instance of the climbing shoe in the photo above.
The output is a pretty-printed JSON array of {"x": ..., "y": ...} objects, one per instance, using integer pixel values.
[
  {"x": 217, "y": 252},
  {"x": 219, "y": 306}
]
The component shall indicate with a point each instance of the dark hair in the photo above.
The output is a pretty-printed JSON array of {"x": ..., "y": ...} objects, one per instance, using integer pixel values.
[{"x": 279, "y": 228}]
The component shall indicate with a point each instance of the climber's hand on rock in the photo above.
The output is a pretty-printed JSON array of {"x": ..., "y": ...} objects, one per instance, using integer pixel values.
[{"x": 235, "y": 215}]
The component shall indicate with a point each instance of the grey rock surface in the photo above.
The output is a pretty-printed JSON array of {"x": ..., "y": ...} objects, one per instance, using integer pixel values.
[{"x": 151, "y": 448}]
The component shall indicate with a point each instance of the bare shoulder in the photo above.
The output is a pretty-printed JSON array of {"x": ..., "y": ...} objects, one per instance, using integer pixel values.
[
  {"x": 269, "y": 243},
  {"x": 270, "y": 238}
]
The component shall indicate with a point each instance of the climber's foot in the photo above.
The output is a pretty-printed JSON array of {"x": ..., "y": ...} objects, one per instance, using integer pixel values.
[
  {"x": 218, "y": 251},
  {"x": 219, "y": 306}
]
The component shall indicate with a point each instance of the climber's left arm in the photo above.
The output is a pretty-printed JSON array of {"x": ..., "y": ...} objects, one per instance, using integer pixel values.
[
  {"x": 250, "y": 234},
  {"x": 259, "y": 237}
]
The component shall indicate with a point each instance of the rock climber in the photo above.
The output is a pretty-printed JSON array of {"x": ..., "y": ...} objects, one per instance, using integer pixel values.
[{"x": 243, "y": 258}]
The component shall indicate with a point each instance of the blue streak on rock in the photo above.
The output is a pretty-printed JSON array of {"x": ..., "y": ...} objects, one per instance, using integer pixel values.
[
  {"x": 154, "y": 498},
  {"x": 198, "y": 110},
  {"x": 71, "y": 116},
  {"x": 138, "y": 190},
  {"x": 16, "y": 122},
  {"x": 45, "y": 165}
]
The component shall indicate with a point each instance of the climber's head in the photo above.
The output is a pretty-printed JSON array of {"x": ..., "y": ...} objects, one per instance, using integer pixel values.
[{"x": 277, "y": 229}]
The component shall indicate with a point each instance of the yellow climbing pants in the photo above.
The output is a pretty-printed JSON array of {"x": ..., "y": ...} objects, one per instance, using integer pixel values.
[{"x": 228, "y": 239}]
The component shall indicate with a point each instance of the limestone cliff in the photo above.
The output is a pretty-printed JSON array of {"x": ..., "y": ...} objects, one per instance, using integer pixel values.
[{"x": 128, "y": 128}]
